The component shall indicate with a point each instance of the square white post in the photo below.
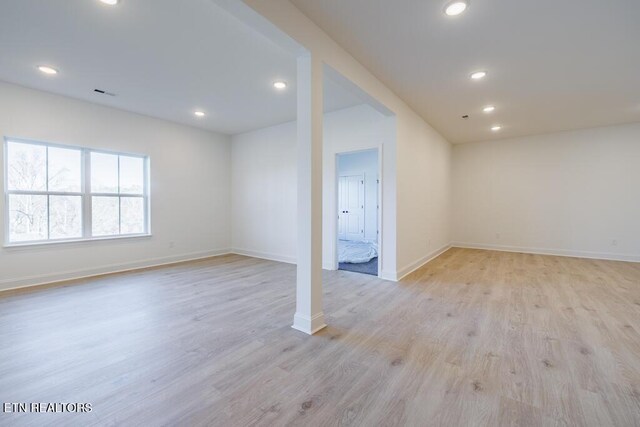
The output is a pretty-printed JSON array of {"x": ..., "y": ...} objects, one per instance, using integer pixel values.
[{"x": 309, "y": 317}]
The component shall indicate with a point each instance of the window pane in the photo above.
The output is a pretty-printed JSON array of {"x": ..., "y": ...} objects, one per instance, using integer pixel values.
[
  {"x": 65, "y": 217},
  {"x": 132, "y": 215},
  {"x": 65, "y": 168},
  {"x": 26, "y": 166},
  {"x": 131, "y": 175},
  {"x": 27, "y": 218},
  {"x": 104, "y": 173},
  {"x": 105, "y": 217}
]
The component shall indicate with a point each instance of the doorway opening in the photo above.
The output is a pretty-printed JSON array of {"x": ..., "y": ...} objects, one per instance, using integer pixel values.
[{"x": 358, "y": 176}]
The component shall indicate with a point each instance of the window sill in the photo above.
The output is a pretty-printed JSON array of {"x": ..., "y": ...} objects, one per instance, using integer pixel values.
[{"x": 75, "y": 241}]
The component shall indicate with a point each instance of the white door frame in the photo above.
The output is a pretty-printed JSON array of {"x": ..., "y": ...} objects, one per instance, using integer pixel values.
[{"x": 336, "y": 174}]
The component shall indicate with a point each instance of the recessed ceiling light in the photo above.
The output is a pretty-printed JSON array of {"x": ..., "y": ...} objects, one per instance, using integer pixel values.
[
  {"x": 489, "y": 109},
  {"x": 110, "y": 2},
  {"x": 455, "y": 8},
  {"x": 199, "y": 113},
  {"x": 478, "y": 75},
  {"x": 47, "y": 70},
  {"x": 496, "y": 128},
  {"x": 280, "y": 85}
]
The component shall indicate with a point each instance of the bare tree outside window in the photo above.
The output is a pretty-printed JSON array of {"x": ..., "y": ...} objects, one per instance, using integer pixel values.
[{"x": 48, "y": 184}]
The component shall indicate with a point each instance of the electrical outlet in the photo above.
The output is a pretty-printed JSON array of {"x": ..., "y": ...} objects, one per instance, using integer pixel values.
[
  {"x": 614, "y": 243},
  {"x": 498, "y": 236},
  {"x": 172, "y": 245}
]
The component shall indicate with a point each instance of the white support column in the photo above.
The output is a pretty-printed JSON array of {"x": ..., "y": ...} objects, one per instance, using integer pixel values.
[{"x": 309, "y": 317}]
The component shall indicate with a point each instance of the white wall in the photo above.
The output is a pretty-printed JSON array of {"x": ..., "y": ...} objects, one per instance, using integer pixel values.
[
  {"x": 264, "y": 193},
  {"x": 416, "y": 166},
  {"x": 364, "y": 163},
  {"x": 264, "y": 184},
  {"x": 424, "y": 194},
  {"x": 570, "y": 193},
  {"x": 189, "y": 168},
  {"x": 422, "y": 157},
  {"x": 349, "y": 130}
]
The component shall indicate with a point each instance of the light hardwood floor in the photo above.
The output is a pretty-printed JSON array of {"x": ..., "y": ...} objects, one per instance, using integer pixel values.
[{"x": 473, "y": 338}]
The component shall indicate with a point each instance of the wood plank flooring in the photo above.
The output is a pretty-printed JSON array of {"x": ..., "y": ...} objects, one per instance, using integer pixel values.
[{"x": 473, "y": 338}]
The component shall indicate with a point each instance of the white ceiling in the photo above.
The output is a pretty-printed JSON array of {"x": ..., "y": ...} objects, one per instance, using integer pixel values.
[
  {"x": 553, "y": 65},
  {"x": 162, "y": 58}
]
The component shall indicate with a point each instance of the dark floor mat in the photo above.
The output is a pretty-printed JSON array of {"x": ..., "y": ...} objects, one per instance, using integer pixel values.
[{"x": 370, "y": 267}]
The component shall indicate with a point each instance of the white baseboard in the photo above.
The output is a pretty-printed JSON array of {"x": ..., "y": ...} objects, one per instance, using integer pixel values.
[
  {"x": 389, "y": 275},
  {"x": 63, "y": 276},
  {"x": 544, "y": 251},
  {"x": 264, "y": 255},
  {"x": 402, "y": 273},
  {"x": 329, "y": 267},
  {"x": 308, "y": 325}
]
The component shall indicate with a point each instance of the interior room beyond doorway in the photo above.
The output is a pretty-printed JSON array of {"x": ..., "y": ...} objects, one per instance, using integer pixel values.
[{"x": 358, "y": 211}]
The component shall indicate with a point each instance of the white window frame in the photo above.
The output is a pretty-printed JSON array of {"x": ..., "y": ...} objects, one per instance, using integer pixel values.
[{"x": 85, "y": 194}]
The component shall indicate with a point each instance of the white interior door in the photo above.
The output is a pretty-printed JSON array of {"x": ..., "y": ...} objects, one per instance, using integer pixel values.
[{"x": 351, "y": 207}]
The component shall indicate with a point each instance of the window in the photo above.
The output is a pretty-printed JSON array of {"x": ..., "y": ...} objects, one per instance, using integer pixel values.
[
  {"x": 57, "y": 193},
  {"x": 117, "y": 194}
]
